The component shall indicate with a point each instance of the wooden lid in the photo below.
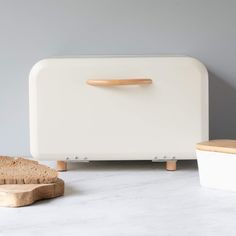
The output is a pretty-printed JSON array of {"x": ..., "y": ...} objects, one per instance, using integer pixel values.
[{"x": 220, "y": 145}]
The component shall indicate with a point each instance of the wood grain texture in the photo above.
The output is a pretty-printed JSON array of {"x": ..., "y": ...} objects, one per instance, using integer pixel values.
[
  {"x": 17, "y": 195},
  {"x": 118, "y": 82},
  {"x": 171, "y": 165},
  {"x": 220, "y": 145},
  {"x": 61, "y": 166}
]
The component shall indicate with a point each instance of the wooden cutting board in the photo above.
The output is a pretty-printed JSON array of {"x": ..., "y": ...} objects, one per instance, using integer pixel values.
[{"x": 17, "y": 195}]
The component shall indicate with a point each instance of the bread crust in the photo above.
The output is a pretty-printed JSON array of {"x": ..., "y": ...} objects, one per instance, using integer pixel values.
[{"x": 24, "y": 171}]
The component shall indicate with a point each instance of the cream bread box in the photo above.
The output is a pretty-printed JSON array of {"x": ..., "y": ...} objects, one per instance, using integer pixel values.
[{"x": 118, "y": 108}]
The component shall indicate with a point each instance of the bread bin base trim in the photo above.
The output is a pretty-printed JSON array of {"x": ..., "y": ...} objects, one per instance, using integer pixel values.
[{"x": 171, "y": 165}]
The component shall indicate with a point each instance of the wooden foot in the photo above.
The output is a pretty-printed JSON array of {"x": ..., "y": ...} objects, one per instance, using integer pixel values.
[
  {"x": 61, "y": 166},
  {"x": 171, "y": 165}
]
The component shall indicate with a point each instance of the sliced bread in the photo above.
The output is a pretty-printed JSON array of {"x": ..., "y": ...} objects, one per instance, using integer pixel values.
[{"x": 24, "y": 171}]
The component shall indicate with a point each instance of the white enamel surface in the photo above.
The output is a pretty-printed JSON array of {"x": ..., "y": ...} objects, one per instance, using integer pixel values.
[
  {"x": 217, "y": 170},
  {"x": 69, "y": 118}
]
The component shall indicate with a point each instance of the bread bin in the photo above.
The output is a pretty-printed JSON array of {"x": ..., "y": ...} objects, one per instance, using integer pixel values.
[{"x": 118, "y": 108}]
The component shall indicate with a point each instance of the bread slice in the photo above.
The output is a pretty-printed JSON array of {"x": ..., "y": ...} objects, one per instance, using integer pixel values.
[{"x": 24, "y": 171}]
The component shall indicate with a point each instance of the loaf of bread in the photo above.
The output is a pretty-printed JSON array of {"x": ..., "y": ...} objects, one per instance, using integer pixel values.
[{"x": 24, "y": 171}]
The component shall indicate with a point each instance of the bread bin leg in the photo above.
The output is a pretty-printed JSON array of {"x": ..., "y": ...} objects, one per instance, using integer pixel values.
[
  {"x": 171, "y": 165},
  {"x": 61, "y": 166}
]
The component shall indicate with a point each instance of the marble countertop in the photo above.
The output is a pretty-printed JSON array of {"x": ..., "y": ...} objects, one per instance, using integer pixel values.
[{"x": 127, "y": 198}]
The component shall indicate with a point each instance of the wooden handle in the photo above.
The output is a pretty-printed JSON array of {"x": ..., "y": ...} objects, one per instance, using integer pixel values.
[{"x": 117, "y": 82}]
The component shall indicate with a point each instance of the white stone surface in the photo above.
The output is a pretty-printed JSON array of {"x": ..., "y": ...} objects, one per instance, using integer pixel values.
[{"x": 127, "y": 198}]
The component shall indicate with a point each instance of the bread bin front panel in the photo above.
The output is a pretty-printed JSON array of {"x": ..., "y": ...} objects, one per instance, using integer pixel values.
[{"x": 71, "y": 119}]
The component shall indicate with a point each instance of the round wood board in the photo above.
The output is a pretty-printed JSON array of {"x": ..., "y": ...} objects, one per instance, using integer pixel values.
[{"x": 219, "y": 145}]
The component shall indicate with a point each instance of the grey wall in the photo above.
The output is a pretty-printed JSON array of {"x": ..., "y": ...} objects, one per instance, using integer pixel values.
[{"x": 32, "y": 30}]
